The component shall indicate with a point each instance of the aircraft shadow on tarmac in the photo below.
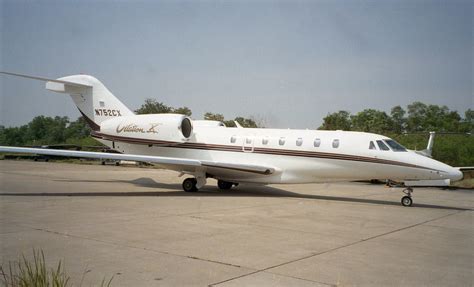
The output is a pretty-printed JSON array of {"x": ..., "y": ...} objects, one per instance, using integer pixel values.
[{"x": 211, "y": 191}]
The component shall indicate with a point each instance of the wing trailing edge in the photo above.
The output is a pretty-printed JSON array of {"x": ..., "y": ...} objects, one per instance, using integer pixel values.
[{"x": 170, "y": 161}]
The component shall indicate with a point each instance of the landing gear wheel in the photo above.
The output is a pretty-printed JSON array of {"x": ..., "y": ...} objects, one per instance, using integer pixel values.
[
  {"x": 224, "y": 184},
  {"x": 189, "y": 185},
  {"x": 407, "y": 201}
]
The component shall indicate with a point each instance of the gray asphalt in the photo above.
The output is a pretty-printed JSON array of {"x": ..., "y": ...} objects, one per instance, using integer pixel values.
[{"x": 138, "y": 226}]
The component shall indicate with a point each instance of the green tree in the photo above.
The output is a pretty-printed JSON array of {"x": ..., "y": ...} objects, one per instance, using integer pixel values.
[
  {"x": 452, "y": 122},
  {"x": 467, "y": 124},
  {"x": 78, "y": 129},
  {"x": 152, "y": 106},
  {"x": 183, "y": 111},
  {"x": 245, "y": 122},
  {"x": 42, "y": 130},
  {"x": 2, "y": 135},
  {"x": 416, "y": 117},
  {"x": 469, "y": 116},
  {"x": 440, "y": 118},
  {"x": 398, "y": 119},
  {"x": 337, "y": 121},
  {"x": 13, "y": 135},
  {"x": 370, "y": 120},
  {"x": 213, "y": 117},
  {"x": 229, "y": 124}
]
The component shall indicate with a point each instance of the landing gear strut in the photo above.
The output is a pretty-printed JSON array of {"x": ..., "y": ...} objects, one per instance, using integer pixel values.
[
  {"x": 189, "y": 185},
  {"x": 406, "y": 200}
]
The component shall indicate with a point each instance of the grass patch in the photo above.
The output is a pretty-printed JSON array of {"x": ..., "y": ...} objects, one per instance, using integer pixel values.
[
  {"x": 34, "y": 273},
  {"x": 465, "y": 183}
]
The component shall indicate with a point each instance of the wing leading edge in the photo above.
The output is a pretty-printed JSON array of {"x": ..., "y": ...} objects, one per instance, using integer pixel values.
[{"x": 176, "y": 163}]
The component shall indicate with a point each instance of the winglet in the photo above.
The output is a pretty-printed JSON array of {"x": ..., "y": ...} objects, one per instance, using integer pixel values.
[
  {"x": 238, "y": 125},
  {"x": 429, "y": 148}
]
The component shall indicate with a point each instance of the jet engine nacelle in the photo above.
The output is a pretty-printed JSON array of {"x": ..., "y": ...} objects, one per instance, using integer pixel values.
[{"x": 148, "y": 129}]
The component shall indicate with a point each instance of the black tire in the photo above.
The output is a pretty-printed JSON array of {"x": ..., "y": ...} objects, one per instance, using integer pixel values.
[
  {"x": 406, "y": 201},
  {"x": 189, "y": 185},
  {"x": 224, "y": 185}
]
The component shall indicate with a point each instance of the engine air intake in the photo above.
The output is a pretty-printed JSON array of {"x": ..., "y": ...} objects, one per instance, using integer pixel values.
[{"x": 186, "y": 127}]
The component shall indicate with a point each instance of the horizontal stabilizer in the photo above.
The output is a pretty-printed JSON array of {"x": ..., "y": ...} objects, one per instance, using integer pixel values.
[{"x": 47, "y": 80}]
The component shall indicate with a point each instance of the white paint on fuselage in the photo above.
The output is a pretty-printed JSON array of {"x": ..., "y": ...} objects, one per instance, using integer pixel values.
[{"x": 298, "y": 169}]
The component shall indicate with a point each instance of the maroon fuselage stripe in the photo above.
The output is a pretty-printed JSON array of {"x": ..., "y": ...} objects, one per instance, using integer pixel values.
[{"x": 281, "y": 152}]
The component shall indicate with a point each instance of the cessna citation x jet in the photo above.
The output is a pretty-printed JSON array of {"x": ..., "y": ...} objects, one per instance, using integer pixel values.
[{"x": 208, "y": 149}]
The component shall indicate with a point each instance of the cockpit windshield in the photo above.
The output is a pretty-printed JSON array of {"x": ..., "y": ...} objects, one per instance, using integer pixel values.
[
  {"x": 382, "y": 145},
  {"x": 394, "y": 145}
]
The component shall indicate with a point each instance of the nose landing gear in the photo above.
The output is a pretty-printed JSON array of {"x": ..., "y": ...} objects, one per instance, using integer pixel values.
[{"x": 406, "y": 200}]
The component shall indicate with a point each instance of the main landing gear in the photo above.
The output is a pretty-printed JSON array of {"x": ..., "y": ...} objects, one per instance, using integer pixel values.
[
  {"x": 406, "y": 200},
  {"x": 225, "y": 185},
  {"x": 189, "y": 185},
  {"x": 192, "y": 184}
]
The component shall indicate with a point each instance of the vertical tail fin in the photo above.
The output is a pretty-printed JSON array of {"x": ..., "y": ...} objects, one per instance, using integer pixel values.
[{"x": 95, "y": 102}]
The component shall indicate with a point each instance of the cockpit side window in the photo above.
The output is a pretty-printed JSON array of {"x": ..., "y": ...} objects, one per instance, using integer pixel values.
[
  {"x": 382, "y": 146},
  {"x": 394, "y": 145},
  {"x": 372, "y": 145}
]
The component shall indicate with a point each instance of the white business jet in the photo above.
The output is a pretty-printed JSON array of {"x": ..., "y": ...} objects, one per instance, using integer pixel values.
[{"x": 208, "y": 149}]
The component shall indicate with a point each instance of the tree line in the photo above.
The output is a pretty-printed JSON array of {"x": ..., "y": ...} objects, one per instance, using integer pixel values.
[
  {"x": 454, "y": 143},
  {"x": 48, "y": 130},
  {"x": 418, "y": 117},
  {"x": 152, "y": 106}
]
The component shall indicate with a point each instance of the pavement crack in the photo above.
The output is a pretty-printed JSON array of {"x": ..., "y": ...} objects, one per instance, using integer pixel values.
[
  {"x": 335, "y": 249},
  {"x": 213, "y": 261},
  {"x": 362, "y": 240},
  {"x": 136, "y": 247}
]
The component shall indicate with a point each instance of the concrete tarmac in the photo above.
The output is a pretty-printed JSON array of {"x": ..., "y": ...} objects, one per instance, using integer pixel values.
[{"x": 137, "y": 225}]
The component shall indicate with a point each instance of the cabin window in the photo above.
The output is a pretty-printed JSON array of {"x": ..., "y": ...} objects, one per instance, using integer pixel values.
[
  {"x": 248, "y": 140},
  {"x": 372, "y": 145},
  {"x": 265, "y": 141},
  {"x": 317, "y": 142},
  {"x": 395, "y": 146},
  {"x": 382, "y": 146},
  {"x": 281, "y": 141},
  {"x": 335, "y": 143},
  {"x": 299, "y": 141},
  {"x": 233, "y": 139}
]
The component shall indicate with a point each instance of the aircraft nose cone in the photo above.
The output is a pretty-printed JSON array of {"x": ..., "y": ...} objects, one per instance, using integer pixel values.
[{"x": 455, "y": 175}]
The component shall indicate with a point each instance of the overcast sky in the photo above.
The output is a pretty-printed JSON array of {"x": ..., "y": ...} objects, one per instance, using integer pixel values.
[{"x": 289, "y": 63}]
